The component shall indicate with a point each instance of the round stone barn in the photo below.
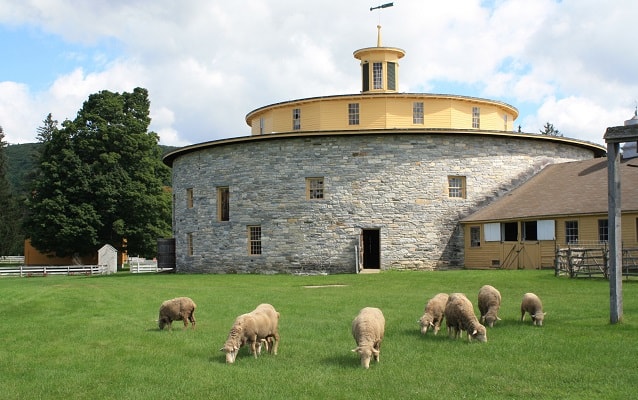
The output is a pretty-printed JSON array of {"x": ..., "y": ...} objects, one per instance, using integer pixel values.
[{"x": 352, "y": 183}]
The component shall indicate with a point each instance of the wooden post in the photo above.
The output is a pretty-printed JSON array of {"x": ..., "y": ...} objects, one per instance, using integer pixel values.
[{"x": 615, "y": 233}]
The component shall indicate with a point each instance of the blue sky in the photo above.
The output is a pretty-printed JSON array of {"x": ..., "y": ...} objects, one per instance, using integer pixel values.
[{"x": 207, "y": 63}]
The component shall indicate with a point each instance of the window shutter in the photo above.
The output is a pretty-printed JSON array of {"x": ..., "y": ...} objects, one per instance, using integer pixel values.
[
  {"x": 366, "y": 77},
  {"x": 392, "y": 79}
]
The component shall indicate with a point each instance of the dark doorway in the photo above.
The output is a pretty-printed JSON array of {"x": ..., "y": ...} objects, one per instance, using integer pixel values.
[{"x": 371, "y": 249}]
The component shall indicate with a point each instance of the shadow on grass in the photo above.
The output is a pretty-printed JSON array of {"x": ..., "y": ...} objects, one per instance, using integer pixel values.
[{"x": 342, "y": 361}]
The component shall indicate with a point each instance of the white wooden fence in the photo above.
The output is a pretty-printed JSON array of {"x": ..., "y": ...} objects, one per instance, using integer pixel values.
[
  {"x": 44, "y": 270},
  {"x": 139, "y": 265},
  {"x": 11, "y": 259}
]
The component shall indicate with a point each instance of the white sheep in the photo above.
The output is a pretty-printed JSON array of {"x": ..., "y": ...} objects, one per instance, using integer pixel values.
[
  {"x": 255, "y": 328},
  {"x": 459, "y": 316},
  {"x": 532, "y": 304},
  {"x": 368, "y": 328},
  {"x": 489, "y": 301},
  {"x": 177, "y": 309},
  {"x": 433, "y": 313}
]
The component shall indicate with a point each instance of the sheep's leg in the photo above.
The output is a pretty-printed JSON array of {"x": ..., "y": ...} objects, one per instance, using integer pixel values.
[
  {"x": 191, "y": 318},
  {"x": 253, "y": 345}
]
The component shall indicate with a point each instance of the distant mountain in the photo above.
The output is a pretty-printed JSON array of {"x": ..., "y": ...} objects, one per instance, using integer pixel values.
[{"x": 21, "y": 161}]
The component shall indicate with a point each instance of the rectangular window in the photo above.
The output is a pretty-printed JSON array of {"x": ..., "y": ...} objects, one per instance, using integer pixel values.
[
  {"x": 476, "y": 117},
  {"x": 492, "y": 232},
  {"x": 353, "y": 114},
  {"x": 392, "y": 79},
  {"x": 505, "y": 122},
  {"x": 296, "y": 119},
  {"x": 314, "y": 188},
  {"x": 377, "y": 75},
  {"x": 475, "y": 236},
  {"x": 456, "y": 186},
  {"x": 189, "y": 244},
  {"x": 261, "y": 125},
  {"x": 254, "y": 240},
  {"x": 530, "y": 231},
  {"x": 510, "y": 231},
  {"x": 189, "y": 198},
  {"x": 417, "y": 112},
  {"x": 366, "y": 77},
  {"x": 603, "y": 230},
  {"x": 223, "y": 203},
  {"x": 571, "y": 232},
  {"x": 546, "y": 229}
]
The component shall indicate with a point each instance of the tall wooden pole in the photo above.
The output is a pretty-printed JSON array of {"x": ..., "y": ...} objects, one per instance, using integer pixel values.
[{"x": 615, "y": 233}]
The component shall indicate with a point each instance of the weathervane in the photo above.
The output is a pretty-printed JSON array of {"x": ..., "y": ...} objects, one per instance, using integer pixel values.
[{"x": 386, "y": 5}]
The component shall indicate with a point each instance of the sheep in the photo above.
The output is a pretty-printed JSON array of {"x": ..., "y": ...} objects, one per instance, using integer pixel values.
[
  {"x": 489, "y": 301},
  {"x": 177, "y": 309},
  {"x": 368, "y": 328},
  {"x": 532, "y": 304},
  {"x": 255, "y": 328},
  {"x": 459, "y": 316},
  {"x": 433, "y": 313}
]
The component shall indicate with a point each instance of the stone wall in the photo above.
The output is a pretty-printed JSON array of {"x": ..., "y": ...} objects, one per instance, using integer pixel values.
[{"x": 394, "y": 182}]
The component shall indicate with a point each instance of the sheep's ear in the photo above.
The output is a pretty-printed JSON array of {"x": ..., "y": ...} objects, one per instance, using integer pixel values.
[
  {"x": 431, "y": 324},
  {"x": 475, "y": 332},
  {"x": 375, "y": 352},
  {"x": 222, "y": 349},
  {"x": 498, "y": 319},
  {"x": 356, "y": 350}
]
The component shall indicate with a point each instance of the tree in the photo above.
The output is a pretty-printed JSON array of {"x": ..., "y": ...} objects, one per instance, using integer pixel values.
[
  {"x": 101, "y": 180},
  {"x": 11, "y": 240},
  {"x": 549, "y": 129}
]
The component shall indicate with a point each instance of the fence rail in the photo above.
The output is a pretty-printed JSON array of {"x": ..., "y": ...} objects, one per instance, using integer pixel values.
[
  {"x": 26, "y": 271},
  {"x": 591, "y": 261},
  {"x": 11, "y": 259}
]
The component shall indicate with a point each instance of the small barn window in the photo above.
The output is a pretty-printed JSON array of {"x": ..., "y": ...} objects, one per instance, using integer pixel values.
[
  {"x": 189, "y": 244},
  {"x": 314, "y": 188},
  {"x": 417, "y": 112},
  {"x": 571, "y": 232},
  {"x": 492, "y": 232},
  {"x": 392, "y": 76},
  {"x": 510, "y": 231},
  {"x": 254, "y": 240},
  {"x": 296, "y": 119},
  {"x": 530, "y": 232},
  {"x": 377, "y": 75},
  {"x": 603, "y": 230},
  {"x": 476, "y": 117},
  {"x": 456, "y": 186},
  {"x": 223, "y": 203},
  {"x": 475, "y": 236},
  {"x": 546, "y": 229},
  {"x": 353, "y": 114},
  {"x": 189, "y": 198}
]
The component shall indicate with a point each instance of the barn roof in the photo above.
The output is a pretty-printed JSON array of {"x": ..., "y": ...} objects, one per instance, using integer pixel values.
[{"x": 570, "y": 188}]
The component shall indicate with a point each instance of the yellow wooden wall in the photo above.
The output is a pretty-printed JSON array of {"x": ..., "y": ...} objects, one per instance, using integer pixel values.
[
  {"x": 382, "y": 112},
  {"x": 482, "y": 257}
]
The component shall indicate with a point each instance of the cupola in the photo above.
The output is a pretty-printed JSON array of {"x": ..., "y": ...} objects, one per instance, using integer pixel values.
[{"x": 379, "y": 67}]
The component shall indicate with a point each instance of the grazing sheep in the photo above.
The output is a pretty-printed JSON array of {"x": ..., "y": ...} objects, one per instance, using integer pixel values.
[
  {"x": 433, "y": 313},
  {"x": 532, "y": 304},
  {"x": 177, "y": 309},
  {"x": 489, "y": 301},
  {"x": 255, "y": 328},
  {"x": 368, "y": 329},
  {"x": 459, "y": 316}
]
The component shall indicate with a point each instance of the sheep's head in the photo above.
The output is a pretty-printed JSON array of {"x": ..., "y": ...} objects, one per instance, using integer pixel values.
[
  {"x": 538, "y": 318},
  {"x": 426, "y": 323},
  {"x": 490, "y": 319},
  {"x": 366, "y": 353},
  {"x": 163, "y": 321},
  {"x": 231, "y": 352},
  {"x": 479, "y": 333}
]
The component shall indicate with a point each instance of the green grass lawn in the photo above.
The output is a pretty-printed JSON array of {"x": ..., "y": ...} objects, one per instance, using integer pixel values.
[{"x": 96, "y": 338}]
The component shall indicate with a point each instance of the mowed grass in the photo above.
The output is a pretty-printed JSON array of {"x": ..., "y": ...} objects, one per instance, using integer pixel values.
[{"x": 96, "y": 338}]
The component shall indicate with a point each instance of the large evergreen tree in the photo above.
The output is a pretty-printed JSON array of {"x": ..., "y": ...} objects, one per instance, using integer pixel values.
[
  {"x": 101, "y": 180},
  {"x": 11, "y": 240}
]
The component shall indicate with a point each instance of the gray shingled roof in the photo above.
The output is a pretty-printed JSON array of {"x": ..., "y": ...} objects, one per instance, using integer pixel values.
[{"x": 571, "y": 188}]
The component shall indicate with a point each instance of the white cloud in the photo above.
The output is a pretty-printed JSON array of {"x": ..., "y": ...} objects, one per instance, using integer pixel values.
[{"x": 207, "y": 64}]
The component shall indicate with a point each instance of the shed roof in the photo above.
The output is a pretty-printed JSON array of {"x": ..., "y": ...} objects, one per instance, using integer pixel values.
[{"x": 571, "y": 188}]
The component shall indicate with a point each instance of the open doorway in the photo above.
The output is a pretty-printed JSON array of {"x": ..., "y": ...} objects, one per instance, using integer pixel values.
[{"x": 371, "y": 245}]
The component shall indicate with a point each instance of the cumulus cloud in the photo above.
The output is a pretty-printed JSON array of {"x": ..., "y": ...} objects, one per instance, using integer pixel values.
[{"x": 207, "y": 64}]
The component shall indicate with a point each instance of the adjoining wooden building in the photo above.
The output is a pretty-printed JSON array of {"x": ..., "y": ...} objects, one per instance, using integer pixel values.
[{"x": 565, "y": 203}]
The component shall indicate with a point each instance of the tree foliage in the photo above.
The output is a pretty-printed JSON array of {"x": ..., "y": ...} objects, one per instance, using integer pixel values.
[
  {"x": 11, "y": 240},
  {"x": 548, "y": 129},
  {"x": 101, "y": 180}
]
